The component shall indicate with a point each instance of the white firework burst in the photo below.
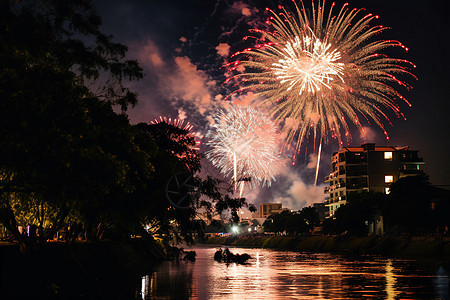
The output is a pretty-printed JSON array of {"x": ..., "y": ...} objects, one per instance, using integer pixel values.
[{"x": 244, "y": 146}]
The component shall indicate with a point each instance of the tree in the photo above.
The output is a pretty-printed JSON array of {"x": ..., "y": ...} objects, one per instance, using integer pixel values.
[
  {"x": 273, "y": 224},
  {"x": 65, "y": 153},
  {"x": 360, "y": 209},
  {"x": 255, "y": 222},
  {"x": 49, "y": 110},
  {"x": 54, "y": 35},
  {"x": 177, "y": 160},
  {"x": 216, "y": 226},
  {"x": 310, "y": 216},
  {"x": 299, "y": 222},
  {"x": 408, "y": 207}
]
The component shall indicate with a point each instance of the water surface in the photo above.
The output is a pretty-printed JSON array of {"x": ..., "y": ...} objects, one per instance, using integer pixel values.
[{"x": 272, "y": 274}]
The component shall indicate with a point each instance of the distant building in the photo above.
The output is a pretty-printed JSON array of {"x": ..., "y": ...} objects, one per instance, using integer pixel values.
[
  {"x": 368, "y": 168},
  {"x": 266, "y": 209}
]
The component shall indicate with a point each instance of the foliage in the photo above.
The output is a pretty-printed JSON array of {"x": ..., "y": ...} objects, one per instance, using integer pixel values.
[
  {"x": 67, "y": 158},
  {"x": 255, "y": 222},
  {"x": 360, "y": 209},
  {"x": 65, "y": 36},
  {"x": 216, "y": 226},
  {"x": 408, "y": 208},
  {"x": 302, "y": 221},
  {"x": 55, "y": 130},
  {"x": 177, "y": 160}
]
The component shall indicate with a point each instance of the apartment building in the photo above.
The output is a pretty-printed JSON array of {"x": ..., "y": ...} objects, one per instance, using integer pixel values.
[
  {"x": 367, "y": 168},
  {"x": 266, "y": 209}
]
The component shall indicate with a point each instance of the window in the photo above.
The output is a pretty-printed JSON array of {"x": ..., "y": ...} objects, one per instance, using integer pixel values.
[
  {"x": 388, "y": 155},
  {"x": 388, "y": 178},
  {"x": 387, "y": 191}
]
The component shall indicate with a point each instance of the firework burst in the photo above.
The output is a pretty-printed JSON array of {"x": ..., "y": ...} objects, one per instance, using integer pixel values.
[
  {"x": 243, "y": 145},
  {"x": 174, "y": 122},
  {"x": 193, "y": 146},
  {"x": 318, "y": 69}
]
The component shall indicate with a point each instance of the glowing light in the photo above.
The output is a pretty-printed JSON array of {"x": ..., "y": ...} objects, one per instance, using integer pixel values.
[
  {"x": 388, "y": 178},
  {"x": 174, "y": 122},
  {"x": 243, "y": 144},
  {"x": 323, "y": 69},
  {"x": 179, "y": 123},
  {"x": 309, "y": 65}
]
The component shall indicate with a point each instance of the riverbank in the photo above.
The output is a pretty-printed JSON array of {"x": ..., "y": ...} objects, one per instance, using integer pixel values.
[
  {"x": 385, "y": 246},
  {"x": 100, "y": 270}
]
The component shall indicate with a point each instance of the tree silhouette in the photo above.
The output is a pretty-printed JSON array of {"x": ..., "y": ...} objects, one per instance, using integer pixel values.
[{"x": 408, "y": 207}]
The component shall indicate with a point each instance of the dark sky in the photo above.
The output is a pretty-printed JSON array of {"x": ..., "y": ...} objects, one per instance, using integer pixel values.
[{"x": 175, "y": 42}]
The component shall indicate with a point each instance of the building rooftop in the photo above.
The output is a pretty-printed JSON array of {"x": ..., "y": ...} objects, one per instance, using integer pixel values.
[{"x": 366, "y": 147}]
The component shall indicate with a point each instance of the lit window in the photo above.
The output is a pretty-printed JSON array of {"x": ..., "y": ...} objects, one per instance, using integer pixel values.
[
  {"x": 387, "y": 155},
  {"x": 388, "y": 178},
  {"x": 387, "y": 191}
]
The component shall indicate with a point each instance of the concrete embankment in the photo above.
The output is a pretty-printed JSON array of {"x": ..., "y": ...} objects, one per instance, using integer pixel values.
[
  {"x": 100, "y": 270},
  {"x": 386, "y": 246}
]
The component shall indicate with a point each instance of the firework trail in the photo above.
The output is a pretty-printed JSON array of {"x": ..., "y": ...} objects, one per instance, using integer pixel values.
[
  {"x": 321, "y": 70},
  {"x": 243, "y": 145}
]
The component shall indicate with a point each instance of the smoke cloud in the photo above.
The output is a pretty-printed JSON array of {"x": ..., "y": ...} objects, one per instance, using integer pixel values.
[
  {"x": 291, "y": 188},
  {"x": 177, "y": 86},
  {"x": 368, "y": 134},
  {"x": 240, "y": 7},
  {"x": 223, "y": 49}
]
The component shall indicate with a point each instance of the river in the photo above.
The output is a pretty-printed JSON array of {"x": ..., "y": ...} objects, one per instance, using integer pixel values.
[{"x": 272, "y": 274}]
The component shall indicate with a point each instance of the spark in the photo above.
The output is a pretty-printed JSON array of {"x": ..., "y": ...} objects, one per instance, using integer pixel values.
[
  {"x": 308, "y": 65},
  {"x": 174, "y": 122},
  {"x": 243, "y": 145},
  {"x": 318, "y": 163},
  {"x": 324, "y": 70},
  {"x": 179, "y": 123}
]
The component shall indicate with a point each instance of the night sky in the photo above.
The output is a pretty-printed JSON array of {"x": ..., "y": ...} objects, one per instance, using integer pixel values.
[{"x": 182, "y": 44}]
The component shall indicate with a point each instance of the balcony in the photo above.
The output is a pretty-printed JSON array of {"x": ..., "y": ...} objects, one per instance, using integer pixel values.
[
  {"x": 329, "y": 189},
  {"x": 335, "y": 200},
  {"x": 331, "y": 176},
  {"x": 356, "y": 186},
  {"x": 410, "y": 172},
  {"x": 411, "y": 156}
]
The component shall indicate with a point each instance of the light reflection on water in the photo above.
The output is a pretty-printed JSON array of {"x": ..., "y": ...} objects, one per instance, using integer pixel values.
[{"x": 290, "y": 275}]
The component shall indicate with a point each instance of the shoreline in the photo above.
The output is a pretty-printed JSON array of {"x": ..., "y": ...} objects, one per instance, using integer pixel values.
[
  {"x": 87, "y": 270},
  {"x": 353, "y": 246}
]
